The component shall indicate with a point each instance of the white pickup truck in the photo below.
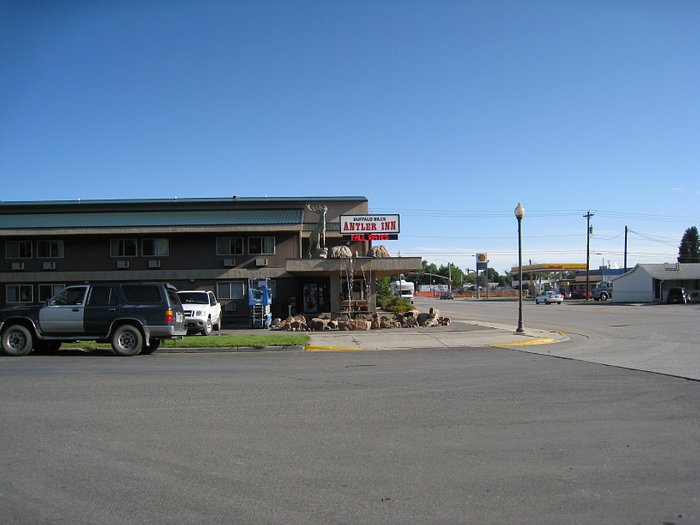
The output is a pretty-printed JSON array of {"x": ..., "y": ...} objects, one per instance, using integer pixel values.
[{"x": 202, "y": 311}]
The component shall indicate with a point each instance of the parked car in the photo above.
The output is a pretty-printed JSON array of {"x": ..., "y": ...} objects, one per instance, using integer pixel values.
[
  {"x": 581, "y": 294},
  {"x": 447, "y": 295},
  {"x": 202, "y": 310},
  {"x": 549, "y": 298},
  {"x": 677, "y": 295},
  {"x": 133, "y": 317}
]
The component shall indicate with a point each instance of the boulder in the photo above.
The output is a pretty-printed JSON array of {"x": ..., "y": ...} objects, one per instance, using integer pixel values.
[
  {"x": 409, "y": 322},
  {"x": 379, "y": 251},
  {"x": 360, "y": 324},
  {"x": 340, "y": 252},
  {"x": 318, "y": 324}
]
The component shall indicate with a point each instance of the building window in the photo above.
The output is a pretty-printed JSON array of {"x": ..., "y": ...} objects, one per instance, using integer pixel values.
[
  {"x": 49, "y": 249},
  {"x": 155, "y": 247},
  {"x": 229, "y": 246},
  {"x": 230, "y": 290},
  {"x": 47, "y": 291},
  {"x": 19, "y": 293},
  {"x": 122, "y": 247},
  {"x": 261, "y": 245},
  {"x": 18, "y": 249}
]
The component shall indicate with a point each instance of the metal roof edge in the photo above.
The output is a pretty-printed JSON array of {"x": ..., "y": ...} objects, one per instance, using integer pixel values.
[{"x": 234, "y": 198}]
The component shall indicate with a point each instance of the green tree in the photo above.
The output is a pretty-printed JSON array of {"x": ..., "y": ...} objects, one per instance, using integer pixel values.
[
  {"x": 689, "y": 250},
  {"x": 454, "y": 272},
  {"x": 383, "y": 289}
]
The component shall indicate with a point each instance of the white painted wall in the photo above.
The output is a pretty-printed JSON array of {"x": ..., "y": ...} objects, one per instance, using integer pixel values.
[{"x": 636, "y": 286}]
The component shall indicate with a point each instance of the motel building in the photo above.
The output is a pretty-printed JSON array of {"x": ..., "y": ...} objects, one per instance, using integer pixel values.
[{"x": 227, "y": 245}]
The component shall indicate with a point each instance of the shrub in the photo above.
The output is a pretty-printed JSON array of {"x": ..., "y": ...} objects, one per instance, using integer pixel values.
[{"x": 396, "y": 304}]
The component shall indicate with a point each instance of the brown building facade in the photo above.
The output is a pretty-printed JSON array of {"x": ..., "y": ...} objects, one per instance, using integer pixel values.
[{"x": 196, "y": 244}]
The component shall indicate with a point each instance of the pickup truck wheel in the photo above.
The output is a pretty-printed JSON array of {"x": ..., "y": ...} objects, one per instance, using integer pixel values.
[
  {"x": 207, "y": 327},
  {"x": 16, "y": 340},
  {"x": 149, "y": 349},
  {"x": 127, "y": 340},
  {"x": 603, "y": 296}
]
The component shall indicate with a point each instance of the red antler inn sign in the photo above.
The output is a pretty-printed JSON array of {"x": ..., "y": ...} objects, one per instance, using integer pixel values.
[{"x": 369, "y": 227}]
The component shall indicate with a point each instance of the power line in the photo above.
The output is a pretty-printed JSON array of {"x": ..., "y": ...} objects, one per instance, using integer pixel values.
[
  {"x": 653, "y": 239},
  {"x": 534, "y": 213}
]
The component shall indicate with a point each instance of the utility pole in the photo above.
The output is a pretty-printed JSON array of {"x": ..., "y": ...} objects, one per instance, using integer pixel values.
[
  {"x": 625, "y": 249},
  {"x": 588, "y": 251}
]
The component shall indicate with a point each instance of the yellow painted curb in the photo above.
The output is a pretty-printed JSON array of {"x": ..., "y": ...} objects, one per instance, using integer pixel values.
[
  {"x": 314, "y": 348},
  {"x": 527, "y": 342}
]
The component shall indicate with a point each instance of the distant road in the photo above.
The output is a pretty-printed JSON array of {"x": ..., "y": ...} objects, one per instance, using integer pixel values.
[{"x": 654, "y": 337}]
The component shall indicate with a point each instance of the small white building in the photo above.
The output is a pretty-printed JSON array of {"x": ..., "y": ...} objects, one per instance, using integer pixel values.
[{"x": 649, "y": 283}]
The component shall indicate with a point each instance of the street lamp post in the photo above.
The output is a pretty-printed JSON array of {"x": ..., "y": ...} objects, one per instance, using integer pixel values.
[{"x": 519, "y": 214}]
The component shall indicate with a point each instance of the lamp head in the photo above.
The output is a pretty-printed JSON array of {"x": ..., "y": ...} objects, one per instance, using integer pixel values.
[{"x": 519, "y": 211}]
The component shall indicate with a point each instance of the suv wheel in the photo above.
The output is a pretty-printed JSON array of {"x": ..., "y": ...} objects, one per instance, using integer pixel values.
[
  {"x": 149, "y": 349},
  {"x": 17, "y": 340},
  {"x": 127, "y": 340}
]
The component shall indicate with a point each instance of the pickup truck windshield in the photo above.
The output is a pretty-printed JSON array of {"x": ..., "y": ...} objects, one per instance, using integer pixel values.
[{"x": 193, "y": 298}]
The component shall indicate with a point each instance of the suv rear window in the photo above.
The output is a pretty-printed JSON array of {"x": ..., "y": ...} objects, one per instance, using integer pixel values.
[
  {"x": 174, "y": 297},
  {"x": 142, "y": 294}
]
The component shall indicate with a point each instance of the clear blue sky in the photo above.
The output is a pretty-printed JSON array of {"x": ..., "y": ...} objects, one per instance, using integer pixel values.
[{"x": 447, "y": 112}]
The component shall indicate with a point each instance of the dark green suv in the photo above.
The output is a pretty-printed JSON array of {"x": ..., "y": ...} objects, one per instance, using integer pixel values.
[
  {"x": 133, "y": 317},
  {"x": 677, "y": 295}
]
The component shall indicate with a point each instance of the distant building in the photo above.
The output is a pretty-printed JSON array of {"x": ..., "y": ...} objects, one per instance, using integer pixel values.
[
  {"x": 648, "y": 283},
  {"x": 210, "y": 244}
]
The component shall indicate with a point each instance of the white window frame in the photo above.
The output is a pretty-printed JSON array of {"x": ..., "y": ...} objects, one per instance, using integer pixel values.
[
  {"x": 224, "y": 290},
  {"x": 50, "y": 244},
  {"x": 229, "y": 241},
  {"x": 263, "y": 241},
  {"x": 18, "y": 293},
  {"x": 120, "y": 245},
  {"x": 161, "y": 247},
  {"x": 17, "y": 244}
]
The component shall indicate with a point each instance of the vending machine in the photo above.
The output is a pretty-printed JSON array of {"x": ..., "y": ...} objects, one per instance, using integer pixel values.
[{"x": 259, "y": 300}]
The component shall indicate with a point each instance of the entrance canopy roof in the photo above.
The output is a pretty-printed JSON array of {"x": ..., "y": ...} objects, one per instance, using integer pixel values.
[{"x": 376, "y": 266}]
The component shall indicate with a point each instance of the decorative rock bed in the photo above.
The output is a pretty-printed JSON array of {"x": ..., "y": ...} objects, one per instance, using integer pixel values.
[{"x": 410, "y": 319}]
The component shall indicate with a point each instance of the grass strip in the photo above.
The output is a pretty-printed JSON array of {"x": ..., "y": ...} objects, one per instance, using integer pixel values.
[{"x": 213, "y": 341}]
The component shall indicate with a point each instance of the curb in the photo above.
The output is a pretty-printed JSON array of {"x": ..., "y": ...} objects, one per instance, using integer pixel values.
[{"x": 229, "y": 349}]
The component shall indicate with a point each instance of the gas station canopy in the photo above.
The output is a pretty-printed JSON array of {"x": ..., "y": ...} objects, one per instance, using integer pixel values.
[{"x": 549, "y": 267}]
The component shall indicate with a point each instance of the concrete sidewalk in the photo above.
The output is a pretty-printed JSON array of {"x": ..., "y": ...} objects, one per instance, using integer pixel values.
[{"x": 458, "y": 334}]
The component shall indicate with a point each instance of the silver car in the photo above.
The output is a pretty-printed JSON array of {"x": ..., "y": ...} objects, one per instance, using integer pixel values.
[{"x": 549, "y": 298}]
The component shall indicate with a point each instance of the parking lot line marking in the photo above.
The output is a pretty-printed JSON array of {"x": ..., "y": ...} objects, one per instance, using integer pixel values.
[{"x": 316, "y": 348}]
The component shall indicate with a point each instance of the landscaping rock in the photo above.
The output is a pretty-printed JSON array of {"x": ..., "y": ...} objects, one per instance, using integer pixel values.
[{"x": 340, "y": 252}]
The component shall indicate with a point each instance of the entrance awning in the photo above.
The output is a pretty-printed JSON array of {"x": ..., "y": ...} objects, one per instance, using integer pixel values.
[{"x": 378, "y": 266}]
